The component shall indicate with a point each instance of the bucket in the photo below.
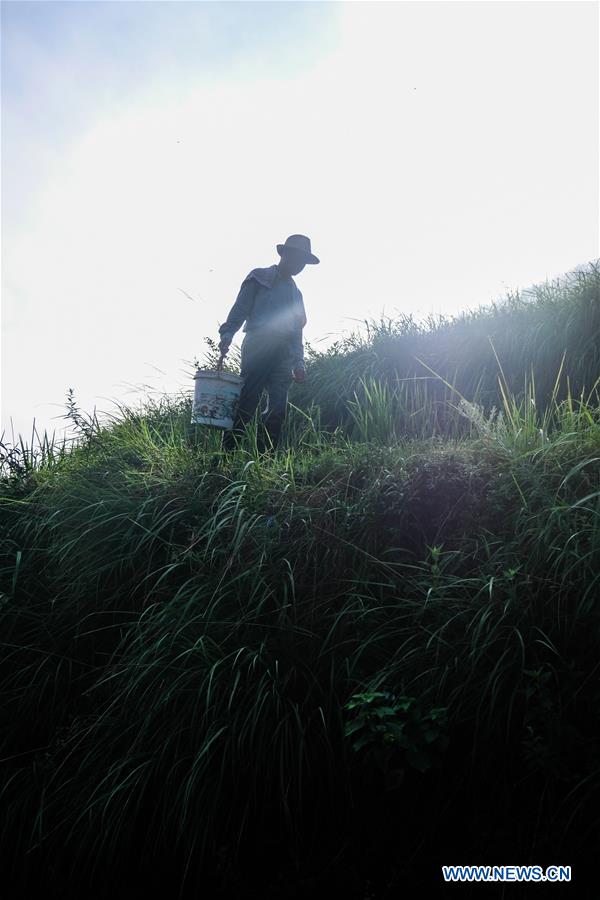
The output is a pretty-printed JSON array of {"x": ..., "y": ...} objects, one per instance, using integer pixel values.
[{"x": 216, "y": 396}]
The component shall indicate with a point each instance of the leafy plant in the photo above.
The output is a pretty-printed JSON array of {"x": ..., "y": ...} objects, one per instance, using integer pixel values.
[{"x": 397, "y": 730}]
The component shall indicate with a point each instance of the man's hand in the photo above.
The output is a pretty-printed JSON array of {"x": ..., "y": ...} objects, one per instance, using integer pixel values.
[
  {"x": 299, "y": 374},
  {"x": 224, "y": 346}
]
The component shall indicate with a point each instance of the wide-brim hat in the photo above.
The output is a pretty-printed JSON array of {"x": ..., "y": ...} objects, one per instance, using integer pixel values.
[{"x": 299, "y": 242}]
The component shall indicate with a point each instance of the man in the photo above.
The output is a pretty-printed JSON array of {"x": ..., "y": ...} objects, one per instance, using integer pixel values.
[{"x": 272, "y": 352}]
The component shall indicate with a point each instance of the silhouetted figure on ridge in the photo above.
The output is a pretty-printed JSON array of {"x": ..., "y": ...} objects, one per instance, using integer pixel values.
[{"x": 272, "y": 307}]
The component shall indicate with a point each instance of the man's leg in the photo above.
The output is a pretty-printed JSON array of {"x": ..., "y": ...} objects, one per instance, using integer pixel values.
[
  {"x": 254, "y": 368},
  {"x": 278, "y": 384}
]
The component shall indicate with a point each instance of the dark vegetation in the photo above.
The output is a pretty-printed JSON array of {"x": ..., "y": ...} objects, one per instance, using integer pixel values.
[{"x": 328, "y": 669}]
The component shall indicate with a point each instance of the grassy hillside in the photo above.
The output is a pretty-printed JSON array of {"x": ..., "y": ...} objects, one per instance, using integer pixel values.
[
  {"x": 334, "y": 667},
  {"x": 525, "y": 337}
]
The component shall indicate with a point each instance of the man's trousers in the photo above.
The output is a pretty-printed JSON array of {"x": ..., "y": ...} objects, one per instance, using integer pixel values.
[{"x": 266, "y": 363}]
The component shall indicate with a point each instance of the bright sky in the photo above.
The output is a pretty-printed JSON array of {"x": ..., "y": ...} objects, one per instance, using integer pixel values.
[{"x": 437, "y": 154}]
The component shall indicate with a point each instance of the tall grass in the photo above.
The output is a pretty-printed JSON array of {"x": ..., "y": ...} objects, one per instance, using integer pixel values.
[
  {"x": 529, "y": 332},
  {"x": 373, "y": 645}
]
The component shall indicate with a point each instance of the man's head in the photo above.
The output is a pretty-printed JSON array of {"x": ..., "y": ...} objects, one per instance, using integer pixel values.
[
  {"x": 292, "y": 261},
  {"x": 295, "y": 254}
]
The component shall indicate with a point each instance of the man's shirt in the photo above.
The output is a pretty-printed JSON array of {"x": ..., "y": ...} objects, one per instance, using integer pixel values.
[{"x": 269, "y": 304}]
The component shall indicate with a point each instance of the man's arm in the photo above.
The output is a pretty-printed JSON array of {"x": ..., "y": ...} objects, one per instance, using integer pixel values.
[
  {"x": 297, "y": 345},
  {"x": 239, "y": 311},
  {"x": 297, "y": 350}
]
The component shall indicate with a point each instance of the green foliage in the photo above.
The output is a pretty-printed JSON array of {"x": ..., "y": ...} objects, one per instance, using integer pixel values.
[
  {"x": 182, "y": 628},
  {"x": 526, "y": 336},
  {"x": 396, "y": 729}
]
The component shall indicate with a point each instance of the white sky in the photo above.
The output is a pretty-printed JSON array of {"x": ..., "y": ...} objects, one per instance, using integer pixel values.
[{"x": 436, "y": 153}]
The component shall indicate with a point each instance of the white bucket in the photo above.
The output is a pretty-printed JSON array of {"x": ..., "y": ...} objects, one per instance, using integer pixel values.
[{"x": 216, "y": 395}]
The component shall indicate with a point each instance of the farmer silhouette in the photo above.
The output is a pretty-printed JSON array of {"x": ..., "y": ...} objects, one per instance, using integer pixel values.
[{"x": 272, "y": 351}]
